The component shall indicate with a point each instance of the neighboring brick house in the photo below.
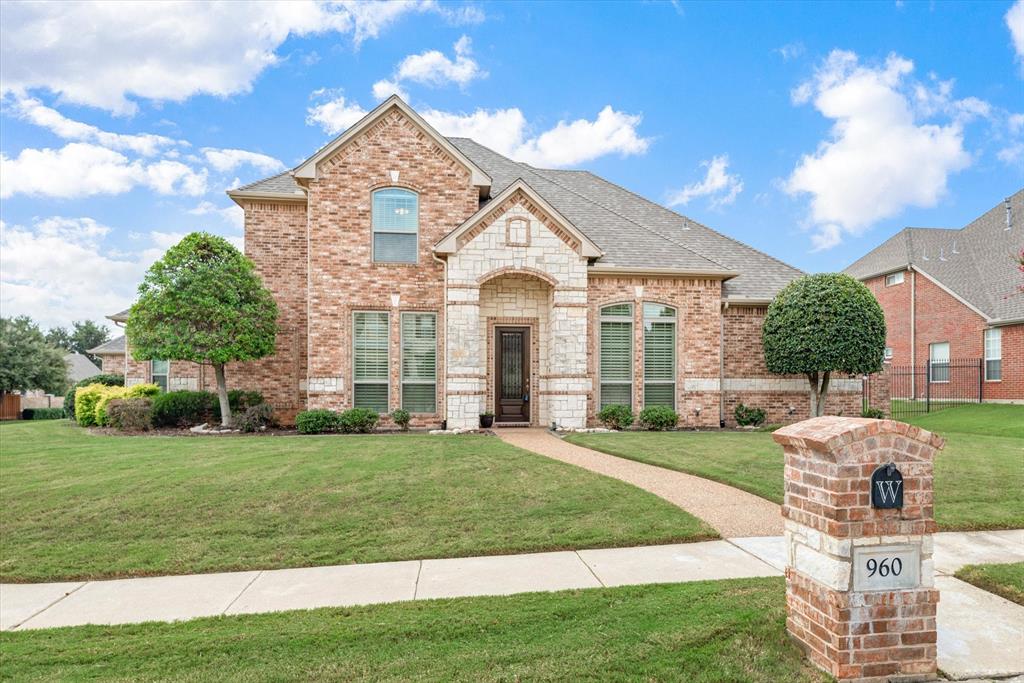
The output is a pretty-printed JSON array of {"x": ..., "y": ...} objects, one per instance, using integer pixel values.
[
  {"x": 431, "y": 273},
  {"x": 955, "y": 295}
]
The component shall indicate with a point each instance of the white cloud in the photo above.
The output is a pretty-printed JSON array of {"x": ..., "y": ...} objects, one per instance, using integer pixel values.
[
  {"x": 35, "y": 112},
  {"x": 232, "y": 215},
  {"x": 718, "y": 184},
  {"x": 880, "y": 156},
  {"x": 59, "y": 270},
  {"x": 104, "y": 54},
  {"x": 227, "y": 160},
  {"x": 791, "y": 51},
  {"x": 434, "y": 69},
  {"x": 1015, "y": 22},
  {"x": 82, "y": 169},
  {"x": 506, "y": 131}
]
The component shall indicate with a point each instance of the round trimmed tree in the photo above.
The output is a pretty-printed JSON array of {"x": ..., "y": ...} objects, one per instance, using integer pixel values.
[
  {"x": 820, "y": 324},
  {"x": 203, "y": 302}
]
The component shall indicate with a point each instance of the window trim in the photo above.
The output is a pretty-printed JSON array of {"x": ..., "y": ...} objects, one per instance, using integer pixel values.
[
  {"x": 675, "y": 342},
  {"x": 401, "y": 360},
  {"x": 509, "y": 242},
  {"x": 387, "y": 380},
  {"x": 932, "y": 363},
  {"x": 893, "y": 277},
  {"x": 887, "y": 354},
  {"x": 631, "y": 319},
  {"x": 984, "y": 353},
  {"x": 374, "y": 231},
  {"x": 165, "y": 375}
]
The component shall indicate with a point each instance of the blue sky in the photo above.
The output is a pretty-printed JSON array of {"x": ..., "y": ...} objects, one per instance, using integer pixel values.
[{"x": 812, "y": 131}]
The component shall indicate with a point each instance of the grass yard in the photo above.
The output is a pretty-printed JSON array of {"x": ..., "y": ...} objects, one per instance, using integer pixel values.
[
  {"x": 979, "y": 476},
  {"x": 697, "y": 632},
  {"x": 1006, "y": 580},
  {"x": 78, "y": 505}
]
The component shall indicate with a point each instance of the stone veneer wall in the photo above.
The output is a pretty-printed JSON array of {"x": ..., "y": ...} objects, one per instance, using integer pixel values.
[
  {"x": 342, "y": 276},
  {"x": 548, "y": 257}
]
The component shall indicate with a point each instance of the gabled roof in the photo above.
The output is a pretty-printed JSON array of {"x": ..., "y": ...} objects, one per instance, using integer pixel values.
[
  {"x": 281, "y": 187},
  {"x": 115, "y": 345},
  {"x": 307, "y": 169},
  {"x": 80, "y": 367},
  {"x": 974, "y": 263},
  {"x": 449, "y": 243}
]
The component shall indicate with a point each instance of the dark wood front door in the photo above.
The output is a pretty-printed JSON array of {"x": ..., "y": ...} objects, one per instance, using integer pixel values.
[{"x": 512, "y": 374}]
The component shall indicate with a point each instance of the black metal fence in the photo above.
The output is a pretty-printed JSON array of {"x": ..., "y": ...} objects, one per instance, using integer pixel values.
[{"x": 918, "y": 389}]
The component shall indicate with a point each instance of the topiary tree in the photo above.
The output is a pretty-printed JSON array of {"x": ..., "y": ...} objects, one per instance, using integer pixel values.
[
  {"x": 820, "y": 324},
  {"x": 203, "y": 302},
  {"x": 27, "y": 360}
]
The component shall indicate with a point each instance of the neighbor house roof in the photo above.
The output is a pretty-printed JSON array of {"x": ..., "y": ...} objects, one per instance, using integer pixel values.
[
  {"x": 113, "y": 346},
  {"x": 80, "y": 367},
  {"x": 975, "y": 263},
  {"x": 119, "y": 317},
  {"x": 634, "y": 234}
]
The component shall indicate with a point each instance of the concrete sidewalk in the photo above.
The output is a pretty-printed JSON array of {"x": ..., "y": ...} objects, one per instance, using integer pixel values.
[{"x": 979, "y": 634}]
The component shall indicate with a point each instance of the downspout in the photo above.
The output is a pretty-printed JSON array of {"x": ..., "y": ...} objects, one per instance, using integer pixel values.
[
  {"x": 721, "y": 365},
  {"x": 913, "y": 333},
  {"x": 444, "y": 312}
]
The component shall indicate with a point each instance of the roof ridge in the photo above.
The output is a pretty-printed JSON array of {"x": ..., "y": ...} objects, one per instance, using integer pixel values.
[
  {"x": 685, "y": 217},
  {"x": 626, "y": 218}
]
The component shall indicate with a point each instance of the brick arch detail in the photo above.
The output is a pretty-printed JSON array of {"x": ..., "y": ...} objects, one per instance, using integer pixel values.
[{"x": 514, "y": 270}]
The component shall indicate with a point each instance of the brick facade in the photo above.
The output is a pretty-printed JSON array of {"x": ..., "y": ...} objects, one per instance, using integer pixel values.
[
  {"x": 880, "y": 634},
  {"x": 938, "y": 316}
]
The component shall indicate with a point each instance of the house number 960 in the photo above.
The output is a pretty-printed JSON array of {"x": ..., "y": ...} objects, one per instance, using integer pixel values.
[{"x": 885, "y": 567}]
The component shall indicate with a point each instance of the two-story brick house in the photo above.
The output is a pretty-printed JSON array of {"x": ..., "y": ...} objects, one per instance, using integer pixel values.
[
  {"x": 955, "y": 296},
  {"x": 431, "y": 273}
]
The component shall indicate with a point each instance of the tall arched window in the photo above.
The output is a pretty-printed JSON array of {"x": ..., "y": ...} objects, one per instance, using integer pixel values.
[
  {"x": 616, "y": 362},
  {"x": 659, "y": 355},
  {"x": 396, "y": 222}
]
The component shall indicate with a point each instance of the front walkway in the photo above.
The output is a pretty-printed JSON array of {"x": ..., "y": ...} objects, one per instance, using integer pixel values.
[
  {"x": 979, "y": 634},
  {"x": 733, "y": 513}
]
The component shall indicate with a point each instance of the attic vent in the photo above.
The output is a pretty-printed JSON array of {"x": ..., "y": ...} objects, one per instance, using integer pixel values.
[{"x": 1009, "y": 214}]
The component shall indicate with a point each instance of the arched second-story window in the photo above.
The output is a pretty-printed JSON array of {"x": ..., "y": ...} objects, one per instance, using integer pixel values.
[
  {"x": 659, "y": 355},
  {"x": 396, "y": 222}
]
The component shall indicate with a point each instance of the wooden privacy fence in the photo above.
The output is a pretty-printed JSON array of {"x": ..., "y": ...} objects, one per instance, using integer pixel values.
[{"x": 10, "y": 406}]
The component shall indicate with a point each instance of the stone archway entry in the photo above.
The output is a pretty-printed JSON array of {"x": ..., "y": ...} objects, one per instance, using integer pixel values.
[{"x": 512, "y": 375}]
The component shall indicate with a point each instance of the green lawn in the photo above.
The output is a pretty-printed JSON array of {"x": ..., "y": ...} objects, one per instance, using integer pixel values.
[
  {"x": 1006, "y": 580},
  {"x": 702, "y": 632},
  {"x": 78, "y": 505},
  {"x": 979, "y": 475}
]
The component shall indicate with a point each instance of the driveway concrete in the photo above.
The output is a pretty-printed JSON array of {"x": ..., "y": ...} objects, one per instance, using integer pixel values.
[
  {"x": 954, "y": 549},
  {"x": 979, "y": 634},
  {"x": 731, "y": 512}
]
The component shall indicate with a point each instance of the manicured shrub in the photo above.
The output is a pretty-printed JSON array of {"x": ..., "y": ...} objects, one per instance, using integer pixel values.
[
  {"x": 616, "y": 417},
  {"x": 401, "y": 418},
  {"x": 42, "y": 413},
  {"x": 106, "y": 395},
  {"x": 182, "y": 408},
  {"x": 86, "y": 399},
  {"x": 69, "y": 398},
  {"x": 747, "y": 416},
  {"x": 873, "y": 413},
  {"x": 130, "y": 414},
  {"x": 359, "y": 421},
  {"x": 239, "y": 400},
  {"x": 255, "y": 418},
  {"x": 317, "y": 421},
  {"x": 658, "y": 418}
]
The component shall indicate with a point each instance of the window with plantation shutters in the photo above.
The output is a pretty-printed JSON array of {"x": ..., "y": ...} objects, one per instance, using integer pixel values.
[
  {"x": 616, "y": 350},
  {"x": 396, "y": 220},
  {"x": 659, "y": 355},
  {"x": 370, "y": 361},
  {"x": 419, "y": 362}
]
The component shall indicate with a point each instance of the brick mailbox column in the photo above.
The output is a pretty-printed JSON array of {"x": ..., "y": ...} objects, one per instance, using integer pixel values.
[{"x": 860, "y": 595}]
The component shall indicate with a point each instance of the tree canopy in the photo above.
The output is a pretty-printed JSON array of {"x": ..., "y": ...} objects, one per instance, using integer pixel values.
[
  {"x": 820, "y": 324},
  {"x": 27, "y": 360},
  {"x": 83, "y": 335},
  {"x": 203, "y": 302}
]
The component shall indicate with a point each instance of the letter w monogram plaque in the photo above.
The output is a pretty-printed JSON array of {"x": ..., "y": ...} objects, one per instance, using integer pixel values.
[{"x": 887, "y": 487}]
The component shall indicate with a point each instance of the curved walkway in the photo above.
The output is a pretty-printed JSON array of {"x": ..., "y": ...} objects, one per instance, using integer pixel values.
[{"x": 733, "y": 513}]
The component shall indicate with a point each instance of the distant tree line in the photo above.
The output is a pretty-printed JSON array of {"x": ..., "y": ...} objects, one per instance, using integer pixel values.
[{"x": 30, "y": 359}]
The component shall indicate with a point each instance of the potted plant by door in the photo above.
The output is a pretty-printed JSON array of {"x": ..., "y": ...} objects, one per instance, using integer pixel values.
[{"x": 486, "y": 420}]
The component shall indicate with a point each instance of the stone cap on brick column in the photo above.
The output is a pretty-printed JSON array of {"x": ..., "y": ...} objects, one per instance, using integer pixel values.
[{"x": 828, "y": 434}]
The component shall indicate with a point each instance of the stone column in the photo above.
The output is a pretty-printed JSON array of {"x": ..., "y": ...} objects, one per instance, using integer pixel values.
[
  {"x": 465, "y": 380},
  {"x": 860, "y": 596},
  {"x": 569, "y": 384}
]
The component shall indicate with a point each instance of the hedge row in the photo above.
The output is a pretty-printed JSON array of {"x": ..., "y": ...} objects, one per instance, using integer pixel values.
[
  {"x": 654, "y": 418},
  {"x": 352, "y": 421},
  {"x": 69, "y": 398},
  {"x": 42, "y": 413},
  {"x": 91, "y": 401},
  {"x": 189, "y": 408}
]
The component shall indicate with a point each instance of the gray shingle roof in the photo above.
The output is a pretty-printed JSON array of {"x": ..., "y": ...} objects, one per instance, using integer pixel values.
[
  {"x": 113, "y": 346},
  {"x": 80, "y": 367},
  {"x": 632, "y": 231},
  {"x": 975, "y": 262}
]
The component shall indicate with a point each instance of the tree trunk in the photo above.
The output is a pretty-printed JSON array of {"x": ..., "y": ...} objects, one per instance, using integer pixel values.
[
  {"x": 222, "y": 394},
  {"x": 819, "y": 392},
  {"x": 823, "y": 393}
]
